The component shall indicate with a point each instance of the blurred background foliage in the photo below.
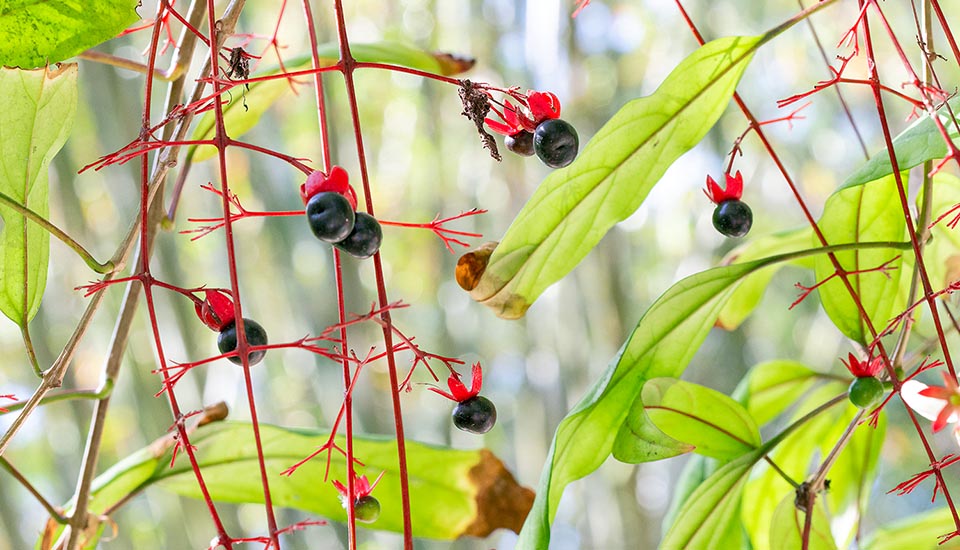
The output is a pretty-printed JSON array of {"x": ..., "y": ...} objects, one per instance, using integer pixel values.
[{"x": 426, "y": 159}]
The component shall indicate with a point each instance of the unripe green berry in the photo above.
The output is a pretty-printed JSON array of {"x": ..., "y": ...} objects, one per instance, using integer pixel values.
[{"x": 865, "y": 391}]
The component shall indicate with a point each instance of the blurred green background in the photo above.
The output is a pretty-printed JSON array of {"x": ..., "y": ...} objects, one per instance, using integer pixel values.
[{"x": 424, "y": 159}]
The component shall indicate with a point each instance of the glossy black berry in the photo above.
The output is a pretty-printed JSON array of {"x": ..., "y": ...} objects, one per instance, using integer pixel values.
[
  {"x": 556, "y": 142},
  {"x": 521, "y": 143},
  {"x": 476, "y": 415},
  {"x": 330, "y": 216},
  {"x": 865, "y": 391},
  {"x": 733, "y": 218},
  {"x": 366, "y": 509},
  {"x": 256, "y": 336},
  {"x": 364, "y": 241}
]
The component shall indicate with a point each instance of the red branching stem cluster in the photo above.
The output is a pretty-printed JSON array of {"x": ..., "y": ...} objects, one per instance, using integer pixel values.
[
  {"x": 883, "y": 268},
  {"x": 909, "y": 485},
  {"x": 266, "y": 541},
  {"x": 736, "y": 151},
  {"x": 8, "y": 397}
]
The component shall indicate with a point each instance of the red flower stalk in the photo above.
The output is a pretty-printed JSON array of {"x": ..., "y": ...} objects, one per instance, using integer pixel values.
[
  {"x": 532, "y": 109},
  {"x": 733, "y": 190},
  {"x": 338, "y": 182},
  {"x": 216, "y": 310},
  {"x": 459, "y": 392},
  {"x": 361, "y": 485},
  {"x": 8, "y": 396},
  {"x": 862, "y": 369}
]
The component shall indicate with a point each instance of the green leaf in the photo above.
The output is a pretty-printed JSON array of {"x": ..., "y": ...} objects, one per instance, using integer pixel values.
[
  {"x": 261, "y": 95},
  {"x": 37, "y": 116},
  {"x": 661, "y": 345},
  {"x": 942, "y": 253},
  {"x": 793, "y": 456},
  {"x": 34, "y": 33},
  {"x": 774, "y": 386},
  {"x": 640, "y": 440},
  {"x": 715, "y": 424},
  {"x": 453, "y": 493},
  {"x": 917, "y": 532},
  {"x": 787, "y": 526},
  {"x": 749, "y": 293},
  {"x": 574, "y": 207},
  {"x": 705, "y": 519},
  {"x": 869, "y": 212},
  {"x": 914, "y": 146}
]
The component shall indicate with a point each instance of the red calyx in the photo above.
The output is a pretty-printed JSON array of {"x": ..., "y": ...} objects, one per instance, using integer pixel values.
[
  {"x": 733, "y": 190},
  {"x": 535, "y": 107},
  {"x": 861, "y": 369},
  {"x": 216, "y": 310},
  {"x": 338, "y": 182},
  {"x": 361, "y": 485},
  {"x": 459, "y": 392}
]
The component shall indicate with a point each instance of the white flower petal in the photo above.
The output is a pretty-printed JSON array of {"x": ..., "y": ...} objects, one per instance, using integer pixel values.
[{"x": 927, "y": 407}]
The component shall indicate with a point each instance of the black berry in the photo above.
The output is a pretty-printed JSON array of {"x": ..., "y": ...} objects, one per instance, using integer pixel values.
[
  {"x": 556, "y": 142},
  {"x": 330, "y": 216},
  {"x": 476, "y": 415},
  {"x": 256, "y": 336},
  {"x": 366, "y": 509},
  {"x": 733, "y": 218},
  {"x": 865, "y": 391},
  {"x": 364, "y": 241},
  {"x": 520, "y": 143}
]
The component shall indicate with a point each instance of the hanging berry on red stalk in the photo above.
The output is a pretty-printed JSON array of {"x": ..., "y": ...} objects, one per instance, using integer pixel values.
[
  {"x": 866, "y": 389},
  {"x": 366, "y": 508},
  {"x": 473, "y": 413},
  {"x": 534, "y": 126},
  {"x": 216, "y": 311},
  {"x": 732, "y": 217}
]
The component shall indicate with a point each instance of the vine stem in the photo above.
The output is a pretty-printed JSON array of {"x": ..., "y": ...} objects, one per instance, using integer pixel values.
[
  {"x": 347, "y": 407},
  {"x": 222, "y": 141},
  {"x": 92, "y": 263},
  {"x": 51, "y": 510},
  {"x": 347, "y": 66}
]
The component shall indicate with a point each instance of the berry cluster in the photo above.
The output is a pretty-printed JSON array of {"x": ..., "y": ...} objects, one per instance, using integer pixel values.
[
  {"x": 331, "y": 208},
  {"x": 732, "y": 217},
  {"x": 534, "y": 126}
]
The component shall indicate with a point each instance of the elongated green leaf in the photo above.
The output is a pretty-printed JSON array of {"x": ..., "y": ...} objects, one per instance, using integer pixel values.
[
  {"x": 37, "y": 116},
  {"x": 749, "y": 293},
  {"x": 715, "y": 424},
  {"x": 453, "y": 493},
  {"x": 942, "y": 253},
  {"x": 774, "y": 386},
  {"x": 705, "y": 519},
  {"x": 34, "y": 33},
  {"x": 869, "y": 212},
  {"x": 239, "y": 119},
  {"x": 786, "y": 531},
  {"x": 917, "y": 532},
  {"x": 917, "y": 144},
  {"x": 661, "y": 345},
  {"x": 793, "y": 456},
  {"x": 574, "y": 207},
  {"x": 640, "y": 440}
]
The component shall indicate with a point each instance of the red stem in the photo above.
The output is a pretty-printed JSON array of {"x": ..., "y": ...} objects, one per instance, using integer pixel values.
[
  {"x": 347, "y": 66},
  {"x": 222, "y": 141}
]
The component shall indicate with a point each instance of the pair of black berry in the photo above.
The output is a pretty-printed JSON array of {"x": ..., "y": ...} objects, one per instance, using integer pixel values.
[
  {"x": 732, "y": 218},
  {"x": 555, "y": 142},
  {"x": 332, "y": 219},
  {"x": 256, "y": 336}
]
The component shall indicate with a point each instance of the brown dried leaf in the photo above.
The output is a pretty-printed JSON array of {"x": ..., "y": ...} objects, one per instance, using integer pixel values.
[
  {"x": 476, "y": 105},
  {"x": 471, "y": 265},
  {"x": 501, "y": 501},
  {"x": 453, "y": 64}
]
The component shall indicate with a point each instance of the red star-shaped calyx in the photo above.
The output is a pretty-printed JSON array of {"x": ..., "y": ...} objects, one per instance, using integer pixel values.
[
  {"x": 459, "y": 392},
  {"x": 216, "y": 309},
  {"x": 733, "y": 190},
  {"x": 532, "y": 109},
  {"x": 338, "y": 182},
  {"x": 361, "y": 486},
  {"x": 862, "y": 369}
]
